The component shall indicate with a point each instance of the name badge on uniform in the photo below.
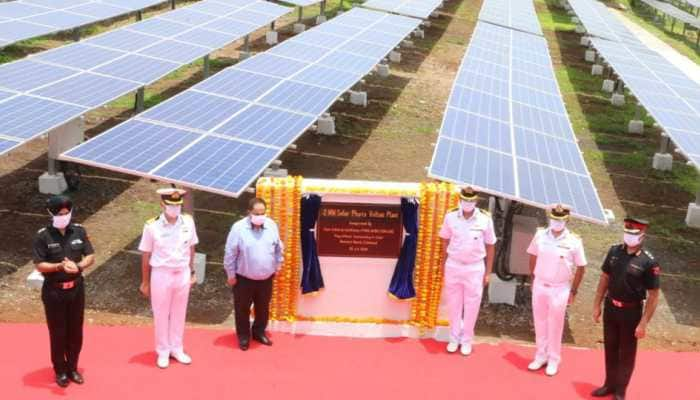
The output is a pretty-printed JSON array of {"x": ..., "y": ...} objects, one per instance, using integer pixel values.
[{"x": 54, "y": 245}]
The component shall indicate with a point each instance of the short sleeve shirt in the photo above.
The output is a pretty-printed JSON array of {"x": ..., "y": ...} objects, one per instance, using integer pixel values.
[
  {"x": 51, "y": 246},
  {"x": 631, "y": 275},
  {"x": 557, "y": 257},
  {"x": 468, "y": 236},
  {"x": 169, "y": 244}
]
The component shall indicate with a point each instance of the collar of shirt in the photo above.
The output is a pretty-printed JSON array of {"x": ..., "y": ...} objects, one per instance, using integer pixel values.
[
  {"x": 460, "y": 214},
  {"x": 635, "y": 254},
  {"x": 69, "y": 229},
  {"x": 563, "y": 235},
  {"x": 164, "y": 220}
]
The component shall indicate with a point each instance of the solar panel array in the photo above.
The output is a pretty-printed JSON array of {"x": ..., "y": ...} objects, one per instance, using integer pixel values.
[
  {"x": 220, "y": 135},
  {"x": 670, "y": 96},
  {"x": 666, "y": 92},
  {"x": 51, "y": 88},
  {"x": 26, "y": 19},
  {"x": 506, "y": 130},
  {"x": 673, "y": 12},
  {"x": 515, "y": 14},
  {"x": 598, "y": 21},
  {"x": 412, "y": 8}
]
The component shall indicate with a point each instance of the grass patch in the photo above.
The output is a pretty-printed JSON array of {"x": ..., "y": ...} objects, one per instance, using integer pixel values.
[
  {"x": 683, "y": 176},
  {"x": 637, "y": 160}
]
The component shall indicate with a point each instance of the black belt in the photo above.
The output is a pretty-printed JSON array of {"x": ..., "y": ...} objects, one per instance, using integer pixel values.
[
  {"x": 624, "y": 304},
  {"x": 66, "y": 285}
]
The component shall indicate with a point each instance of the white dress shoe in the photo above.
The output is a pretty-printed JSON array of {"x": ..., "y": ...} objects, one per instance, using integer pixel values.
[
  {"x": 452, "y": 347},
  {"x": 181, "y": 357},
  {"x": 552, "y": 369},
  {"x": 536, "y": 364},
  {"x": 466, "y": 349},
  {"x": 163, "y": 361}
]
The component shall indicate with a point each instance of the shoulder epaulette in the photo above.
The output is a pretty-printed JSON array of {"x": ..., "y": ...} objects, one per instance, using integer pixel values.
[
  {"x": 41, "y": 230},
  {"x": 541, "y": 228},
  {"x": 152, "y": 220},
  {"x": 576, "y": 235},
  {"x": 488, "y": 214},
  {"x": 188, "y": 217},
  {"x": 648, "y": 253},
  {"x": 454, "y": 209}
]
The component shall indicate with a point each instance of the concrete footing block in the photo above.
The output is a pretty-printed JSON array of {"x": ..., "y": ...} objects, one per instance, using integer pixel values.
[
  {"x": 358, "y": 98},
  {"x": 636, "y": 126},
  {"x": 52, "y": 184},
  {"x": 383, "y": 70},
  {"x": 326, "y": 125},
  {"x": 501, "y": 292},
  {"x": 662, "y": 162},
  {"x": 618, "y": 99},
  {"x": 321, "y": 19},
  {"x": 608, "y": 85},
  {"x": 597, "y": 69},
  {"x": 395, "y": 57},
  {"x": 585, "y": 41},
  {"x": 271, "y": 38},
  {"x": 580, "y": 29},
  {"x": 299, "y": 28},
  {"x": 590, "y": 56},
  {"x": 692, "y": 218}
]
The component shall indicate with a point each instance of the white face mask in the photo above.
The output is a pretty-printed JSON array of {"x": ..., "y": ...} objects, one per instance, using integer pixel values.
[
  {"x": 632, "y": 240},
  {"x": 557, "y": 225},
  {"x": 257, "y": 220},
  {"x": 467, "y": 206},
  {"x": 61, "y": 221},
  {"x": 173, "y": 211}
]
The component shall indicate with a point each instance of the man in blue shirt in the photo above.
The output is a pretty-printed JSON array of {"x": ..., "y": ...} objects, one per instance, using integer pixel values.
[{"x": 254, "y": 253}]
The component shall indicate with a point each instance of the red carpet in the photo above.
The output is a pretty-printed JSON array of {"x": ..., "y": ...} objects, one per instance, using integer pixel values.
[{"x": 118, "y": 363}]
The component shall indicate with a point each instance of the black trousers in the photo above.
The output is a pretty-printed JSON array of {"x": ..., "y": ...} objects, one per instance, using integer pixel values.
[
  {"x": 249, "y": 292},
  {"x": 64, "y": 317},
  {"x": 619, "y": 325}
]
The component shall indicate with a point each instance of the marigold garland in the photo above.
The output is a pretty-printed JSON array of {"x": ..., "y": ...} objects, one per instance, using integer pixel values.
[{"x": 283, "y": 196}]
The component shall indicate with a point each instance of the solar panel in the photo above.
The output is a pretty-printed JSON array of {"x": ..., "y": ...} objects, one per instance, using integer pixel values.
[
  {"x": 25, "y": 75},
  {"x": 138, "y": 68},
  {"x": 515, "y": 14},
  {"x": 247, "y": 114},
  {"x": 671, "y": 97},
  {"x": 7, "y": 145},
  {"x": 195, "y": 110},
  {"x": 673, "y": 12},
  {"x": 26, "y": 19},
  {"x": 21, "y": 115},
  {"x": 648, "y": 75},
  {"x": 302, "y": 3},
  {"x": 506, "y": 134},
  {"x": 412, "y": 8},
  {"x": 78, "y": 77},
  {"x": 599, "y": 22}
]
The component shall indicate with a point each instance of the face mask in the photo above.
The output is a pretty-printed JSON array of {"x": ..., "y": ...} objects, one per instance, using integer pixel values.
[
  {"x": 172, "y": 211},
  {"x": 257, "y": 220},
  {"x": 632, "y": 240},
  {"x": 467, "y": 206},
  {"x": 61, "y": 221},
  {"x": 556, "y": 225}
]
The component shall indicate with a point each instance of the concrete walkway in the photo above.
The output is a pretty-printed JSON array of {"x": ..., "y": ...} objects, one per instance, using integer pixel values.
[{"x": 684, "y": 63}]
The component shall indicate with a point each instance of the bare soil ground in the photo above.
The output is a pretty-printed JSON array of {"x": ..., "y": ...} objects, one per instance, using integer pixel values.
[{"x": 391, "y": 139}]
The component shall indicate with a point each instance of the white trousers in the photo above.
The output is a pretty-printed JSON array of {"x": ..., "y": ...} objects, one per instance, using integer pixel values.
[
  {"x": 549, "y": 311},
  {"x": 464, "y": 285},
  {"x": 170, "y": 290}
]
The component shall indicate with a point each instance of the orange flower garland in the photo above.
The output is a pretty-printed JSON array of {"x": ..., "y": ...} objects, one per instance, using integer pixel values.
[{"x": 283, "y": 196}]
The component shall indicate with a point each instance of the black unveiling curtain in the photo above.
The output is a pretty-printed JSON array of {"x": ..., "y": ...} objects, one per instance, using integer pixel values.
[
  {"x": 401, "y": 285},
  {"x": 311, "y": 278}
]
